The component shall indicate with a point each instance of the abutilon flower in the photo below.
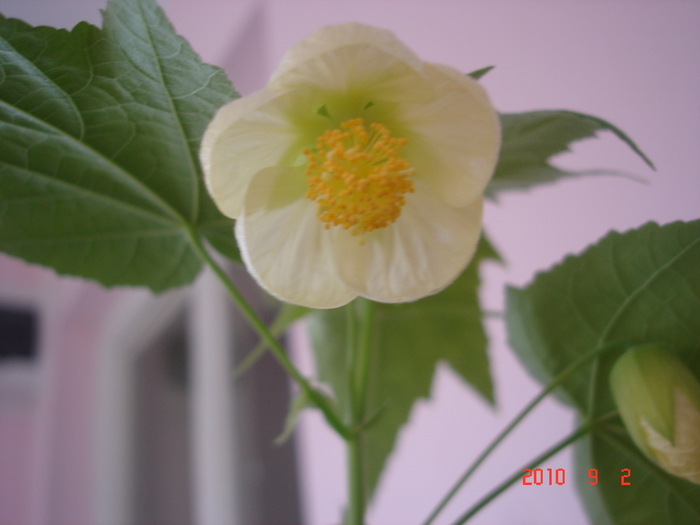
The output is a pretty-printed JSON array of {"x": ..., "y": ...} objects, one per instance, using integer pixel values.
[
  {"x": 358, "y": 170},
  {"x": 658, "y": 398}
]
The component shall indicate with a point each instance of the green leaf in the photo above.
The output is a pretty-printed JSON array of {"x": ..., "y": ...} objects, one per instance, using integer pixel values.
[
  {"x": 408, "y": 340},
  {"x": 299, "y": 402},
  {"x": 636, "y": 287},
  {"x": 589, "y": 494},
  {"x": 219, "y": 232},
  {"x": 531, "y": 139},
  {"x": 287, "y": 314},
  {"x": 99, "y": 132},
  {"x": 632, "y": 288},
  {"x": 476, "y": 75}
]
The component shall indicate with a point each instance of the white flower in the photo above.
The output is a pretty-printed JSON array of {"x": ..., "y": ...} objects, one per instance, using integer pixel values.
[
  {"x": 659, "y": 401},
  {"x": 358, "y": 170}
]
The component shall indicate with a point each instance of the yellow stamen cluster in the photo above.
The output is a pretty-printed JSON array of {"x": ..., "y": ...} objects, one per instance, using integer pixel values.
[{"x": 357, "y": 176}]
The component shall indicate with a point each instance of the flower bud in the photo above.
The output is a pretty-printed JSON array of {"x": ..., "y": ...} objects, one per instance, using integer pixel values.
[{"x": 658, "y": 398}]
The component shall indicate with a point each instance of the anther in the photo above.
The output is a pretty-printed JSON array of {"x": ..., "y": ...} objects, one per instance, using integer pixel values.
[{"x": 358, "y": 177}]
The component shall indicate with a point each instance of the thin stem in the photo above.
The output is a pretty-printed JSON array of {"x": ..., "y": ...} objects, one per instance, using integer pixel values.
[
  {"x": 578, "y": 433},
  {"x": 558, "y": 380},
  {"x": 316, "y": 397}
]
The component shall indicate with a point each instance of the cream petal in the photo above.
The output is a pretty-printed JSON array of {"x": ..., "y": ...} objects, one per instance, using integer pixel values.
[
  {"x": 681, "y": 458},
  {"x": 453, "y": 141},
  {"x": 284, "y": 245},
  {"x": 420, "y": 254},
  {"x": 354, "y": 57},
  {"x": 245, "y": 136}
]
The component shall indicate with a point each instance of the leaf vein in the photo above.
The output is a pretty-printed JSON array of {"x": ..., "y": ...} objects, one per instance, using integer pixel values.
[
  {"x": 39, "y": 73},
  {"x": 193, "y": 168},
  {"x": 88, "y": 193},
  {"x": 104, "y": 236},
  {"x": 82, "y": 147},
  {"x": 635, "y": 293}
]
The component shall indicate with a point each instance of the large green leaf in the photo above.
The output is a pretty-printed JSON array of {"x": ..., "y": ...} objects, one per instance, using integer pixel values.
[
  {"x": 631, "y": 288},
  {"x": 99, "y": 132},
  {"x": 408, "y": 340},
  {"x": 530, "y": 139}
]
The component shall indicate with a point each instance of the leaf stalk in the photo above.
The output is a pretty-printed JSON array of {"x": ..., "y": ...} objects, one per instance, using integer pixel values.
[{"x": 316, "y": 397}]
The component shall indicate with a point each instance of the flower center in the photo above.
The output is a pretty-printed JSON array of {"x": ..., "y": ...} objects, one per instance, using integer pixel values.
[{"x": 357, "y": 176}]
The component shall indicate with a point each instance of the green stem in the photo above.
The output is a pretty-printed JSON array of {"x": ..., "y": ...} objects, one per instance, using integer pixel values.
[
  {"x": 356, "y": 486},
  {"x": 578, "y": 433},
  {"x": 350, "y": 347},
  {"x": 316, "y": 397},
  {"x": 361, "y": 369},
  {"x": 359, "y": 356},
  {"x": 558, "y": 380}
]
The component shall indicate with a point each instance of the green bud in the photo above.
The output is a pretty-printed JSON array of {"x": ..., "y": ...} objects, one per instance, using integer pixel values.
[{"x": 658, "y": 398}]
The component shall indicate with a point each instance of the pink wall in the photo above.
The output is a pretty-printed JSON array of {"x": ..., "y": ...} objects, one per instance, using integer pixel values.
[{"x": 48, "y": 408}]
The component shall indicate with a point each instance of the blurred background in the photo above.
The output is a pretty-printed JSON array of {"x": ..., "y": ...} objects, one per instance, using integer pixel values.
[{"x": 111, "y": 410}]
